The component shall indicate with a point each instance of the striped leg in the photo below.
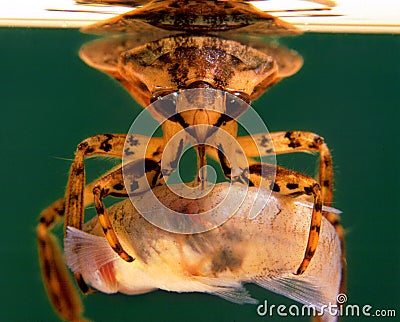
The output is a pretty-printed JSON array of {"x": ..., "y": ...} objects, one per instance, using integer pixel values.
[
  {"x": 56, "y": 278},
  {"x": 291, "y": 183},
  {"x": 298, "y": 141},
  {"x": 100, "y": 145},
  {"x": 58, "y": 283},
  {"x": 294, "y": 141},
  {"x": 113, "y": 185}
]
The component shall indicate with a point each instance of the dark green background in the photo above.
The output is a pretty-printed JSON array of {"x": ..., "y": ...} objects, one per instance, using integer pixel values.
[{"x": 347, "y": 91}]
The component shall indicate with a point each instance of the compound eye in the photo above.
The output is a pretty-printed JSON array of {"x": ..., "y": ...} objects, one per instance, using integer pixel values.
[
  {"x": 159, "y": 95},
  {"x": 164, "y": 103},
  {"x": 243, "y": 96},
  {"x": 199, "y": 84},
  {"x": 238, "y": 104}
]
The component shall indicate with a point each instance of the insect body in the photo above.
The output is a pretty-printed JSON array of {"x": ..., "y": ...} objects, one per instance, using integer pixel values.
[
  {"x": 228, "y": 74},
  {"x": 153, "y": 70}
]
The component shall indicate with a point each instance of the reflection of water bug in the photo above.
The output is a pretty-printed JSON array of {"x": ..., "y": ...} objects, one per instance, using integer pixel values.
[
  {"x": 149, "y": 71},
  {"x": 190, "y": 16}
]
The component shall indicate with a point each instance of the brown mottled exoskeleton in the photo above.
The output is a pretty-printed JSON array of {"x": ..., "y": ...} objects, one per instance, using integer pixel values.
[{"x": 151, "y": 70}]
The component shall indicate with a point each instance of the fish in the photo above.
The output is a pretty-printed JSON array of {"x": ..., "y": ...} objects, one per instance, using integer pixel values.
[{"x": 263, "y": 248}]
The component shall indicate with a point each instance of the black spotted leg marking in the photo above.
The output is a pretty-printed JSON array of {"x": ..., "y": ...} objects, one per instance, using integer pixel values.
[
  {"x": 294, "y": 141},
  {"x": 292, "y": 183},
  {"x": 113, "y": 185},
  {"x": 58, "y": 283}
]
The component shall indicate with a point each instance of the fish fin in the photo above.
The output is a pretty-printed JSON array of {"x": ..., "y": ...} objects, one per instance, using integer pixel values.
[
  {"x": 92, "y": 257},
  {"x": 229, "y": 290},
  {"x": 236, "y": 295},
  {"x": 305, "y": 290}
]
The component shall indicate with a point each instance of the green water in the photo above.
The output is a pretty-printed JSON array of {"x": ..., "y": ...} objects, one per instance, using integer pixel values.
[{"x": 347, "y": 92}]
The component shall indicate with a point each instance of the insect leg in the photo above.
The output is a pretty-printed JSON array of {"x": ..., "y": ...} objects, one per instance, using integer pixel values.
[
  {"x": 105, "y": 145},
  {"x": 259, "y": 145},
  {"x": 241, "y": 176},
  {"x": 58, "y": 283},
  {"x": 291, "y": 183},
  {"x": 57, "y": 280},
  {"x": 298, "y": 141},
  {"x": 113, "y": 185},
  {"x": 293, "y": 141}
]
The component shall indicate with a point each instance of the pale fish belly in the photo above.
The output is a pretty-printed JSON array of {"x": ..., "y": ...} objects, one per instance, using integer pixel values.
[{"x": 265, "y": 250}]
